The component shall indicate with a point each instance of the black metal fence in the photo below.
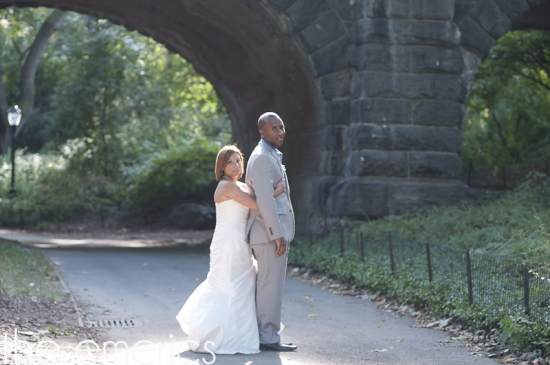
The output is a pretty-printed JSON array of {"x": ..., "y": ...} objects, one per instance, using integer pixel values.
[
  {"x": 471, "y": 276},
  {"x": 479, "y": 175}
]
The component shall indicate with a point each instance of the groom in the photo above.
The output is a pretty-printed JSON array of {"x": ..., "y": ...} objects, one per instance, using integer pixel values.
[{"x": 270, "y": 229}]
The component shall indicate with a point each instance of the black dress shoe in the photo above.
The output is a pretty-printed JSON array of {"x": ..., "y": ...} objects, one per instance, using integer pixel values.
[{"x": 277, "y": 346}]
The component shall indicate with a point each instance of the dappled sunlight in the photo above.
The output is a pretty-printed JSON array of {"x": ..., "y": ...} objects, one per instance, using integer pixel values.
[{"x": 138, "y": 240}]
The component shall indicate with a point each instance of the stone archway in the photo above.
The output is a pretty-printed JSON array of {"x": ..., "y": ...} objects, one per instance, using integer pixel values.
[
  {"x": 372, "y": 91},
  {"x": 249, "y": 51}
]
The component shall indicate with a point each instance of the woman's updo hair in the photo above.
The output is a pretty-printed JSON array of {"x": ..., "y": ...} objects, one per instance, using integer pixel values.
[{"x": 223, "y": 157}]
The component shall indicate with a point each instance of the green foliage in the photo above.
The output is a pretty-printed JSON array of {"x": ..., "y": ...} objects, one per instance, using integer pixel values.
[
  {"x": 513, "y": 224},
  {"x": 523, "y": 333},
  {"x": 119, "y": 122},
  {"x": 507, "y": 120},
  {"x": 183, "y": 172},
  {"x": 402, "y": 285},
  {"x": 46, "y": 192},
  {"x": 49, "y": 190},
  {"x": 17, "y": 30}
]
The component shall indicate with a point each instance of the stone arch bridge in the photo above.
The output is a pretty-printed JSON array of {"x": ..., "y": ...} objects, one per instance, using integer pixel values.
[{"x": 372, "y": 91}]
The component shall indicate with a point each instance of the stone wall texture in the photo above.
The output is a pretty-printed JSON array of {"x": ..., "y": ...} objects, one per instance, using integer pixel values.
[{"x": 372, "y": 91}]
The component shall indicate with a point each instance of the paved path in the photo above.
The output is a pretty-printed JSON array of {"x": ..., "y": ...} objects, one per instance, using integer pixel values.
[
  {"x": 151, "y": 285},
  {"x": 107, "y": 239}
]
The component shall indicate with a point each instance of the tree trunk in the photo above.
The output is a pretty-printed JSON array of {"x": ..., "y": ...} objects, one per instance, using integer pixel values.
[
  {"x": 4, "y": 127},
  {"x": 31, "y": 63}
]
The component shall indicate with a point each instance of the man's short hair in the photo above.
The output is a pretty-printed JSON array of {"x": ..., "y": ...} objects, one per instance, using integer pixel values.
[{"x": 265, "y": 117}]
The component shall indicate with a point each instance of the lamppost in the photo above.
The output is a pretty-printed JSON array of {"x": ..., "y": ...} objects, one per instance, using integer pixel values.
[{"x": 14, "y": 117}]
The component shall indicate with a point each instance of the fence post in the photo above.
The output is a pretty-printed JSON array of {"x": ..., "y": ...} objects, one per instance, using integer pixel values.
[
  {"x": 526, "y": 289},
  {"x": 469, "y": 277},
  {"x": 429, "y": 258},
  {"x": 392, "y": 262},
  {"x": 362, "y": 248},
  {"x": 342, "y": 240}
]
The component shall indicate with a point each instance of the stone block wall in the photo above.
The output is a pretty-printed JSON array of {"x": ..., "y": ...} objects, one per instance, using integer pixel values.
[
  {"x": 393, "y": 79},
  {"x": 393, "y": 143}
]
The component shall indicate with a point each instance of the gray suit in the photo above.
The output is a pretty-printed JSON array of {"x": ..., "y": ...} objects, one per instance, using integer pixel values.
[{"x": 274, "y": 219}]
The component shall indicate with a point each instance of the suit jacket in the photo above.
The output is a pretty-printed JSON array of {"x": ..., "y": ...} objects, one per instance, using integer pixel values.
[{"x": 275, "y": 217}]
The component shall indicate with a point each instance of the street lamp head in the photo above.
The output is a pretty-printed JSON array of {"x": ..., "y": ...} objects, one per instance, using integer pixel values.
[{"x": 14, "y": 115}]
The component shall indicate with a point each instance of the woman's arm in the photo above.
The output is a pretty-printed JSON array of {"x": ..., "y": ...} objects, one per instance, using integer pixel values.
[
  {"x": 280, "y": 188},
  {"x": 229, "y": 190}
]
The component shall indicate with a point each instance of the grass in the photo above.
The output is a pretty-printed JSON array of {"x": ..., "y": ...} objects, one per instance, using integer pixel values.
[
  {"x": 27, "y": 272},
  {"x": 513, "y": 224}
]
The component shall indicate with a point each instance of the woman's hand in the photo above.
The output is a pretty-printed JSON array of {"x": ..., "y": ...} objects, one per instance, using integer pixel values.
[{"x": 279, "y": 188}]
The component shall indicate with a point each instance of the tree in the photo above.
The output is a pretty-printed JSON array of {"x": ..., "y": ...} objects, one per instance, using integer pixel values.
[
  {"x": 507, "y": 115},
  {"x": 132, "y": 124},
  {"x": 88, "y": 102},
  {"x": 29, "y": 59},
  {"x": 525, "y": 54}
]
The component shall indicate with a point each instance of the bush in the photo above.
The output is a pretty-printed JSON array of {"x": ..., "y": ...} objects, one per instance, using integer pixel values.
[
  {"x": 523, "y": 333},
  {"x": 183, "y": 172},
  {"x": 47, "y": 192},
  {"x": 53, "y": 188}
]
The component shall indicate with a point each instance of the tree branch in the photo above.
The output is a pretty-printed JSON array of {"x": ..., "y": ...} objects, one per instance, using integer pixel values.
[
  {"x": 499, "y": 129},
  {"x": 17, "y": 49},
  {"x": 535, "y": 80},
  {"x": 31, "y": 63},
  {"x": 4, "y": 127}
]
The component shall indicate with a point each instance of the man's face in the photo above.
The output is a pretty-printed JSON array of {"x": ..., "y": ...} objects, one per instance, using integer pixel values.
[{"x": 273, "y": 132}]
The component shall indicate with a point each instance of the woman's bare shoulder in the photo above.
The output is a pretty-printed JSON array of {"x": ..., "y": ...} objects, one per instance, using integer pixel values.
[
  {"x": 222, "y": 189},
  {"x": 228, "y": 187},
  {"x": 244, "y": 187}
]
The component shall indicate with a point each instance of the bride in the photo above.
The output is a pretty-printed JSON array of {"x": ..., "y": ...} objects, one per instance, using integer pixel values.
[{"x": 220, "y": 315}]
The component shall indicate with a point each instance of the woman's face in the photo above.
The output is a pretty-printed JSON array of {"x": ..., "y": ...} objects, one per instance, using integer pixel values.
[{"x": 234, "y": 166}]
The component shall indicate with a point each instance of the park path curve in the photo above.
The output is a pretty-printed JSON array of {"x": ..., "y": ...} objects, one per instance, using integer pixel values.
[{"x": 150, "y": 284}]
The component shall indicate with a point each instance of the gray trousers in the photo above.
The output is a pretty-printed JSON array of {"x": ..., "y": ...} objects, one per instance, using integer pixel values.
[{"x": 269, "y": 290}]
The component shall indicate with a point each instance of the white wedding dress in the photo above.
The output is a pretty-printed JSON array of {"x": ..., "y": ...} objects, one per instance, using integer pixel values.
[{"x": 222, "y": 309}]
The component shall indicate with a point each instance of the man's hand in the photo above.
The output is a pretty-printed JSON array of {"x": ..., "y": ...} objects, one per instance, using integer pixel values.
[{"x": 281, "y": 246}]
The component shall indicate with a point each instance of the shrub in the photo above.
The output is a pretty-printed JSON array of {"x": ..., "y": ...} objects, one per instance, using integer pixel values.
[
  {"x": 47, "y": 192},
  {"x": 185, "y": 171}
]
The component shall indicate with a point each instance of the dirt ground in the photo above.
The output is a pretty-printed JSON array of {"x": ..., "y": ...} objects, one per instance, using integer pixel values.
[{"x": 29, "y": 325}]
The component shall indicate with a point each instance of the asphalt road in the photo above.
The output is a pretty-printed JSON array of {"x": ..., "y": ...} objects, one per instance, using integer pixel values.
[{"x": 151, "y": 285}]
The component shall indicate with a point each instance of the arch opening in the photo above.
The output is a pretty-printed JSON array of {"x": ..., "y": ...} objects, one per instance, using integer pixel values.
[
  {"x": 505, "y": 116},
  {"x": 246, "y": 50}
]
